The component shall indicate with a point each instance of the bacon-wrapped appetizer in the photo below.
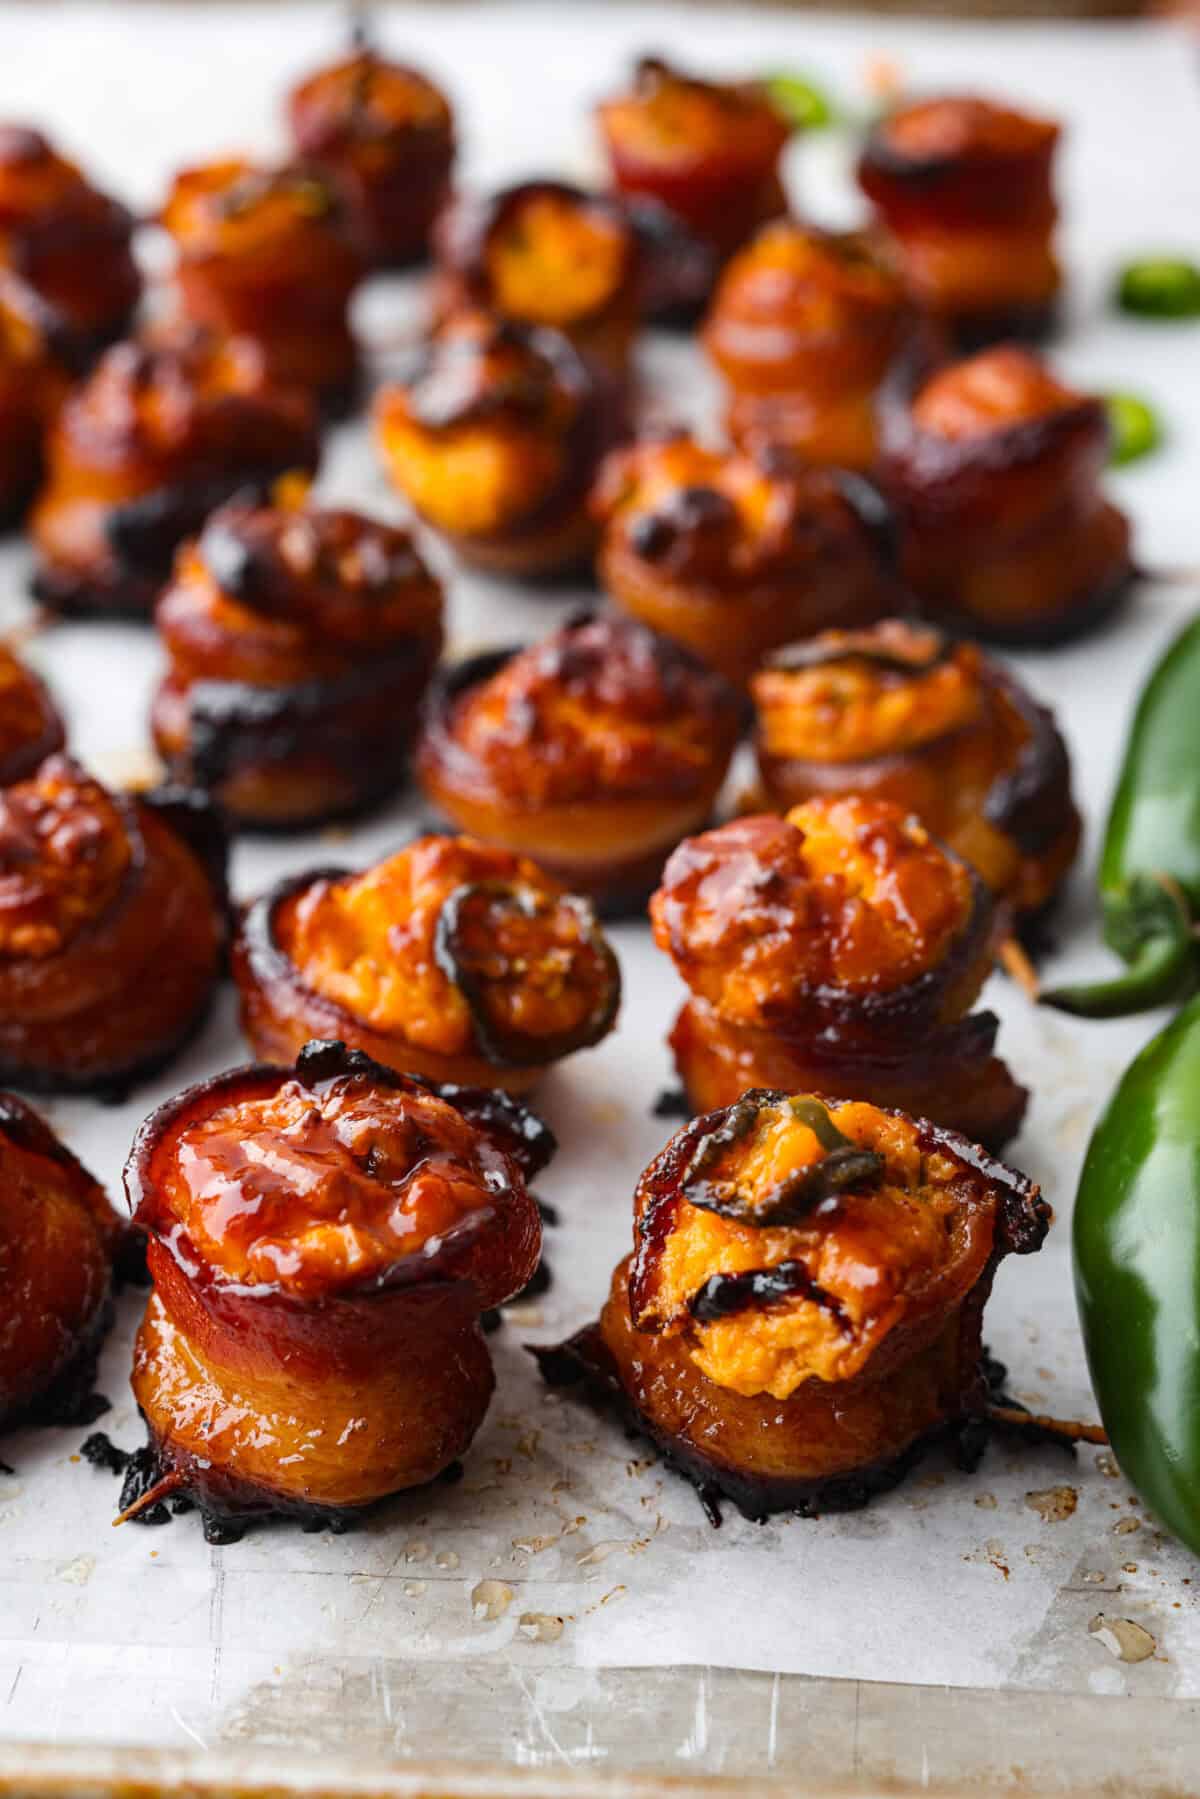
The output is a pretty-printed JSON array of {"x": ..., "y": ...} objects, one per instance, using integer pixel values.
[
  {"x": 543, "y": 253},
  {"x": 735, "y": 553},
  {"x": 804, "y": 327},
  {"x": 33, "y": 383},
  {"x": 903, "y": 713},
  {"x": 966, "y": 189},
  {"x": 112, "y": 930},
  {"x": 993, "y": 466},
  {"x": 270, "y": 254},
  {"x": 322, "y": 1242},
  {"x": 68, "y": 241},
  {"x": 300, "y": 643},
  {"x": 30, "y": 726},
  {"x": 160, "y": 434},
  {"x": 451, "y": 960},
  {"x": 677, "y": 268},
  {"x": 594, "y": 751},
  {"x": 59, "y": 1239},
  {"x": 385, "y": 134},
  {"x": 838, "y": 949},
  {"x": 495, "y": 440},
  {"x": 802, "y": 1315},
  {"x": 707, "y": 150}
]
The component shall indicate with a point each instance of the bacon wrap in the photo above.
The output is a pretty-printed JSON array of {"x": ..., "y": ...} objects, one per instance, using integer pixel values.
[
  {"x": 385, "y": 134},
  {"x": 31, "y": 728},
  {"x": 709, "y": 151},
  {"x": 543, "y": 253},
  {"x": 59, "y": 1239},
  {"x": 1007, "y": 533},
  {"x": 966, "y": 189},
  {"x": 160, "y": 434},
  {"x": 33, "y": 383},
  {"x": 733, "y": 554},
  {"x": 300, "y": 644},
  {"x": 594, "y": 752},
  {"x": 863, "y": 1316},
  {"x": 315, "y": 1391},
  {"x": 992, "y": 779},
  {"x": 841, "y": 950},
  {"x": 452, "y": 960},
  {"x": 495, "y": 440},
  {"x": 113, "y": 924},
  {"x": 270, "y": 254},
  {"x": 69, "y": 243},
  {"x": 803, "y": 328}
]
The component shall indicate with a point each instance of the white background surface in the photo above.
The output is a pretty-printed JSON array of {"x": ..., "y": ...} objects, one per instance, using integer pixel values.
[{"x": 142, "y": 1635}]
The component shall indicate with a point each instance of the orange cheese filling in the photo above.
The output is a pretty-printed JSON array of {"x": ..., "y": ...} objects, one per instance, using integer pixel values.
[
  {"x": 232, "y": 207},
  {"x": 368, "y": 943},
  {"x": 659, "y": 473},
  {"x": 673, "y": 119},
  {"x": 993, "y": 391},
  {"x": 369, "y": 101},
  {"x": 852, "y": 709},
  {"x": 64, "y": 853},
  {"x": 952, "y": 126},
  {"x": 551, "y": 261},
  {"x": 871, "y": 1253},
  {"x": 313, "y": 1192},
  {"x": 849, "y": 894},
  {"x": 469, "y": 479},
  {"x": 548, "y": 741}
]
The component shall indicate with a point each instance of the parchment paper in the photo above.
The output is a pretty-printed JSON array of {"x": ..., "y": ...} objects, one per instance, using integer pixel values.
[{"x": 595, "y": 1556}]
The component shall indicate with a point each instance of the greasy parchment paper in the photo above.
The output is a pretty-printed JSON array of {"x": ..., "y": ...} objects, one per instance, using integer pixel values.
[{"x": 565, "y": 1546}]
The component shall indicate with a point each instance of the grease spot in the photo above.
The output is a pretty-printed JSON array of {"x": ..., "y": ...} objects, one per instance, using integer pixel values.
[
  {"x": 1053, "y": 1504},
  {"x": 1127, "y": 1641},
  {"x": 490, "y": 1599},
  {"x": 541, "y": 1627}
]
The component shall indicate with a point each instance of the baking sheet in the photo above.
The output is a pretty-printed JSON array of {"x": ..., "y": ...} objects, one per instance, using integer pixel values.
[{"x": 566, "y": 1550}]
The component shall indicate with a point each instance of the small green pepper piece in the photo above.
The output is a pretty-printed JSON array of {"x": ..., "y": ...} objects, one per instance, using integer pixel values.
[
  {"x": 843, "y": 1166},
  {"x": 1160, "y": 287},
  {"x": 1150, "y": 863},
  {"x": 1133, "y": 426},
  {"x": 1136, "y": 1243},
  {"x": 801, "y": 102}
]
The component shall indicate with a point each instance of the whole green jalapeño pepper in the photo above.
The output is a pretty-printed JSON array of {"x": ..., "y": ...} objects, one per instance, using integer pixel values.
[
  {"x": 1150, "y": 864},
  {"x": 1137, "y": 1272}
]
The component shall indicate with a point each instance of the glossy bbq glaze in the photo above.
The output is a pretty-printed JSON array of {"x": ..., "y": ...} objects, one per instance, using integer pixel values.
[
  {"x": 31, "y": 727},
  {"x": 803, "y": 328},
  {"x": 67, "y": 241},
  {"x": 994, "y": 468},
  {"x": 270, "y": 254},
  {"x": 322, "y": 1241},
  {"x": 299, "y": 641},
  {"x": 904, "y": 713},
  {"x": 734, "y": 553},
  {"x": 708, "y": 150},
  {"x": 593, "y": 751},
  {"x": 33, "y": 383},
  {"x": 112, "y": 930},
  {"x": 495, "y": 440},
  {"x": 158, "y": 435},
  {"x": 543, "y": 253},
  {"x": 840, "y": 948},
  {"x": 59, "y": 1240},
  {"x": 965, "y": 186},
  {"x": 385, "y": 133},
  {"x": 802, "y": 1313},
  {"x": 451, "y": 959}
]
